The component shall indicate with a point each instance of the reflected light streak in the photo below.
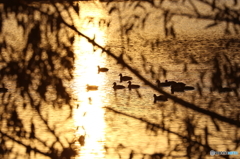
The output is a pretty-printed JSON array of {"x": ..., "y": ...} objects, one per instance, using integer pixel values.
[{"x": 89, "y": 117}]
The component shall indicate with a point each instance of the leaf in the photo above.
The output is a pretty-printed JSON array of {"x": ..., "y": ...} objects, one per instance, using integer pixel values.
[
  {"x": 216, "y": 124},
  {"x": 213, "y": 5},
  {"x": 139, "y": 6},
  {"x": 112, "y": 9},
  {"x": 185, "y": 68},
  {"x": 164, "y": 71},
  {"x": 76, "y": 8},
  {"x": 166, "y": 31},
  {"x": 131, "y": 155},
  {"x": 211, "y": 25},
  {"x": 144, "y": 20},
  {"x": 129, "y": 28},
  {"x": 193, "y": 60},
  {"x": 172, "y": 32},
  {"x": 81, "y": 140},
  {"x": 199, "y": 89}
]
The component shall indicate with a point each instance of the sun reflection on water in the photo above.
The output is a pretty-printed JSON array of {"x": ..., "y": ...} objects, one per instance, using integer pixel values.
[{"x": 89, "y": 116}]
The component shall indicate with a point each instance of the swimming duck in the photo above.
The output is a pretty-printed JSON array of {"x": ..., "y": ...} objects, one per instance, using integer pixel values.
[
  {"x": 178, "y": 84},
  {"x": 164, "y": 84},
  {"x": 177, "y": 87},
  {"x": 3, "y": 89},
  {"x": 188, "y": 88},
  {"x": 124, "y": 78},
  {"x": 131, "y": 86},
  {"x": 92, "y": 87},
  {"x": 170, "y": 82},
  {"x": 102, "y": 69},
  {"x": 224, "y": 89},
  {"x": 115, "y": 86},
  {"x": 159, "y": 98}
]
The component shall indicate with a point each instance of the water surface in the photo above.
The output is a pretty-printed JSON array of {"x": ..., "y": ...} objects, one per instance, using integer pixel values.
[{"x": 130, "y": 129}]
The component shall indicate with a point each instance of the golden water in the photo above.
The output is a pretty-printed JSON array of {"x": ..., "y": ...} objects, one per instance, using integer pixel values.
[{"x": 103, "y": 130}]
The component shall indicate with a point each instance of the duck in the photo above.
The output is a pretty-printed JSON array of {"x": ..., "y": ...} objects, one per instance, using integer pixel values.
[
  {"x": 177, "y": 87},
  {"x": 188, "y": 88},
  {"x": 92, "y": 87},
  {"x": 164, "y": 84},
  {"x": 124, "y": 78},
  {"x": 3, "y": 89},
  {"x": 102, "y": 69},
  {"x": 224, "y": 89},
  {"x": 159, "y": 98},
  {"x": 115, "y": 86},
  {"x": 132, "y": 86},
  {"x": 178, "y": 84},
  {"x": 170, "y": 82}
]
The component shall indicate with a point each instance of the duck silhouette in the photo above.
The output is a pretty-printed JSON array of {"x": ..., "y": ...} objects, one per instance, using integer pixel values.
[
  {"x": 103, "y": 69},
  {"x": 177, "y": 87},
  {"x": 115, "y": 86},
  {"x": 181, "y": 84},
  {"x": 92, "y": 87},
  {"x": 132, "y": 86},
  {"x": 188, "y": 88},
  {"x": 170, "y": 82},
  {"x": 163, "y": 84},
  {"x": 221, "y": 89},
  {"x": 224, "y": 89},
  {"x": 124, "y": 78},
  {"x": 3, "y": 89},
  {"x": 159, "y": 98}
]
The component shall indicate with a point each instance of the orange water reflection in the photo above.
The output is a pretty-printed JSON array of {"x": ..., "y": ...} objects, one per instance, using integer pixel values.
[{"x": 89, "y": 116}]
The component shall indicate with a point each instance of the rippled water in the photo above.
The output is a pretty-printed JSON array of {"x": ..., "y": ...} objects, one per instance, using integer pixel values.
[
  {"x": 170, "y": 55},
  {"x": 109, "y": 135}
]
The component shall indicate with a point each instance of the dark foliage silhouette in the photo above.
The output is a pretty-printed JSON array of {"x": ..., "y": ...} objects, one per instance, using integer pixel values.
[
  {"x": 33, "y": 69},
  {"x": 35, "y": 72}
]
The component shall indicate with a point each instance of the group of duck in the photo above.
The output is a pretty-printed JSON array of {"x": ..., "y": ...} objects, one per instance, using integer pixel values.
[
  {"x": 115, "y": 85},
  {"x": 175, "y": 86}
]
